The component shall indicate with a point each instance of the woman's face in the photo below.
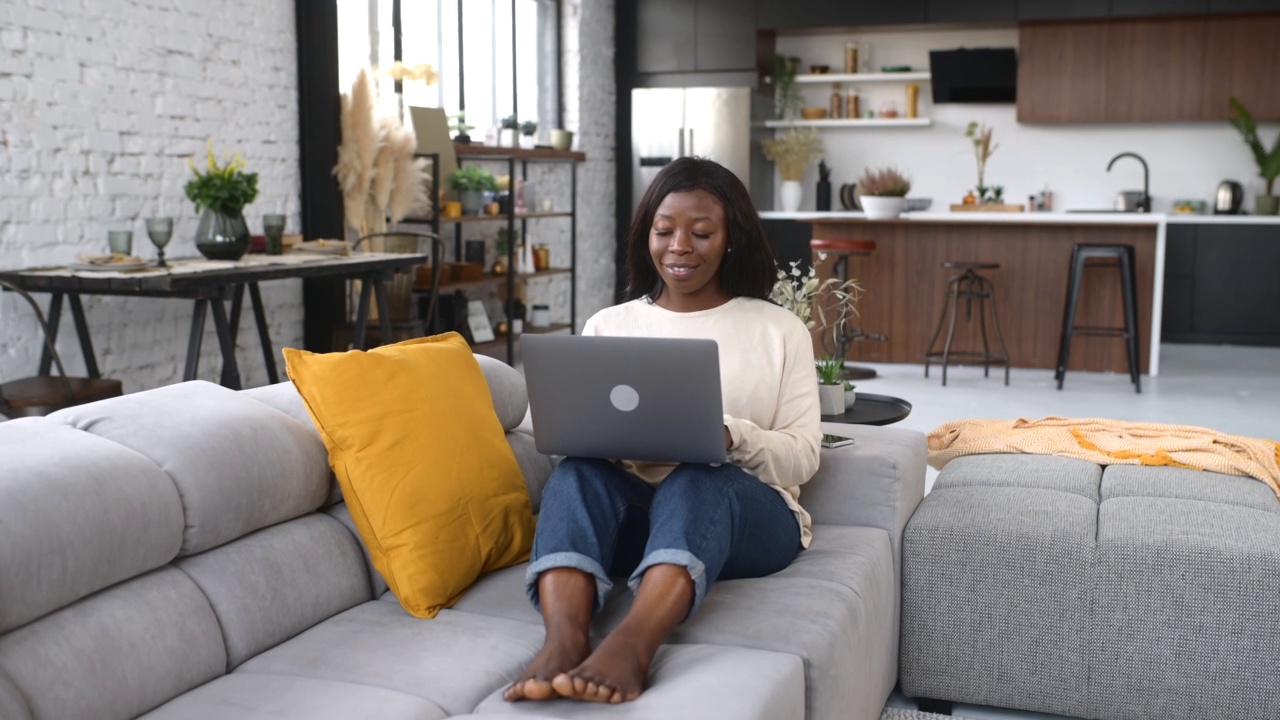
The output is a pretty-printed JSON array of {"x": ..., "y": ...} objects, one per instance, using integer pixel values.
[{"x": 687, "y": 242}]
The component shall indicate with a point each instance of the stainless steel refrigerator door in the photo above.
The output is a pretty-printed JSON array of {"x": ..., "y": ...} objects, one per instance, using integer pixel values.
[
  {"x": 657, "y": 134},
  {"x": 717, "y": 125}
]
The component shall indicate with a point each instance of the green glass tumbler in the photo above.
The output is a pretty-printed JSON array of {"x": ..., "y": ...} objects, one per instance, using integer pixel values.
[{"x": 273, "y": 229}]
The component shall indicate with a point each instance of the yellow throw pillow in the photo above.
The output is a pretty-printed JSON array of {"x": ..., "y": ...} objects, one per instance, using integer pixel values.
[{"x": 424, "y": 465}]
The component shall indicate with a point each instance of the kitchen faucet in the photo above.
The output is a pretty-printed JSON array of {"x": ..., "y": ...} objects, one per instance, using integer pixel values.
[{"x": 1144, "y": 205}]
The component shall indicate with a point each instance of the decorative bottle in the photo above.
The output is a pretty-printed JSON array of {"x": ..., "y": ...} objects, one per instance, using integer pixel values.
[{"x": 837, "y": 103}]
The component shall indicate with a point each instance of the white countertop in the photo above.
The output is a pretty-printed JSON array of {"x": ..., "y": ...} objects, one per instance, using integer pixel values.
[{"x": 1047, "y": 218}]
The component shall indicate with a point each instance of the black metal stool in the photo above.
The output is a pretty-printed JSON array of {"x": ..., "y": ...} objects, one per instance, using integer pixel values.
[
  {"x": 843, "y": 249},
  {"x": 1081, "y": 254},
  {"x": 969, "y": 286}
]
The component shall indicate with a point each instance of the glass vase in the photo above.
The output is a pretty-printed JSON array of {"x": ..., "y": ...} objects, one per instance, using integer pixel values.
[{"x": 222, "y": 236}]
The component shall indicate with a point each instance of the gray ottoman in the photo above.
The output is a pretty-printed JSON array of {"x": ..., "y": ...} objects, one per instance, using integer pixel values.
[{"x": 1055, "y": 585}]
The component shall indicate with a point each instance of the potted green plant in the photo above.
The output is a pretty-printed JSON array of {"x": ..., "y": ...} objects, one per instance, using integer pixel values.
[
  {"x": 502, "y": 245},
  {"x": 850, "y": 394},
  {"x": 880, "y": 193},
  {"x": 508, "y": 132},
  {"x": 460, "y": 127},
  {"x": 471, "y": 183},
  {"x": 1268, "y": 161},
  {"x": 793, "y": 152},
  {"x": 786, "y": 96},
  {"x": 830, "y": 387},
  {"x": 220, "y": 194},
  {"x": 528, "y": 129}
]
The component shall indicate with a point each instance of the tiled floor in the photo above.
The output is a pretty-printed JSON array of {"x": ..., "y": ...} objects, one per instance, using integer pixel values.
[{"x": 1231, "y": 389}]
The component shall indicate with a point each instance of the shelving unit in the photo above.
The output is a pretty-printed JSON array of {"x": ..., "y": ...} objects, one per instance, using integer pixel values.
[
  {"x": 851, "y": 123},
  {"x": 511, "y": 157},
  {"x": 881, "y": 77}
]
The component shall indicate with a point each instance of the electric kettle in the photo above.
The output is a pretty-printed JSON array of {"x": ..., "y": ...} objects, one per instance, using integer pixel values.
[{"x": 1229, "y": 198}]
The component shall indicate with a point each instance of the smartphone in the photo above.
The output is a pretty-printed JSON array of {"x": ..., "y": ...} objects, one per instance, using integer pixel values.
[{"x": 835, "y": 441}]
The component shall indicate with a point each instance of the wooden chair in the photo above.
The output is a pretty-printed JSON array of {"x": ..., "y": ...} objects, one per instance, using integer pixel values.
[{"x": 43, "y": 394}]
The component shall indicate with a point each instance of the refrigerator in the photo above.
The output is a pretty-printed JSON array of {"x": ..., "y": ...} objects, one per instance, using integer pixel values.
[{"x": 710, "y": 122}]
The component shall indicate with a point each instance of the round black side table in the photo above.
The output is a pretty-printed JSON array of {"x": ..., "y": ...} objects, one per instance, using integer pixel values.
[{"x": 870, "y": 409}]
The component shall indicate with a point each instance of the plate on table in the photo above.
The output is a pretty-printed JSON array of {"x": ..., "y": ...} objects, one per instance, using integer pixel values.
[
  {"x": 326, "y": 247},
  {"x": 129, "y": 263}
]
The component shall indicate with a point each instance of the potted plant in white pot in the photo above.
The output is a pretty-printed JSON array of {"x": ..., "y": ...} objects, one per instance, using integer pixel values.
[
  {"x": 471, "y": 183},
  {"x": 881, "y": 193},
  {"x": 850, "y": 394},
  {"x": 793, "y": 152},
  {"x": 1268, "y": 161},
  {"x": 830, "y": 387}
]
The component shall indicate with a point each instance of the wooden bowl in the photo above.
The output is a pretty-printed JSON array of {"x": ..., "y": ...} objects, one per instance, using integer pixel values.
[{"x": 813, "y": 113}]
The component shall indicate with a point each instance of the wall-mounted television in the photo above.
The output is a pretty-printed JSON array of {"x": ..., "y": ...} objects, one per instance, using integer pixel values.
[{"x": 974, "y": 75}]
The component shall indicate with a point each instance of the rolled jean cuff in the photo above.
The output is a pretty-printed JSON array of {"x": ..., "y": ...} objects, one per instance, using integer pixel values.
[
  {"x": 574, "y": 560},
  {"x": 684, "y": 558}
]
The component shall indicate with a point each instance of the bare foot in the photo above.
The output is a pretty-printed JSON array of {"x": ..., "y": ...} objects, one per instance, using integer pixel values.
[
  {"x": 557, "y": 656},
  {"x": 616, "y": 672}
]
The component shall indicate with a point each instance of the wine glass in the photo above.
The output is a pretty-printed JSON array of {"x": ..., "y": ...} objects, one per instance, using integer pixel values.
[
  {"x": 273, "y": 228},
  {"x": 160, "y": 230}
]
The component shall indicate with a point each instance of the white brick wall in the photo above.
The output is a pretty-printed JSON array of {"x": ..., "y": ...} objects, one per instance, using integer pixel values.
[{"x": 101, "y": 105}]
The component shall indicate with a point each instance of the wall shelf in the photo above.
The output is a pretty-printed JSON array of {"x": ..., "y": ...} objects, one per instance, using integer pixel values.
[
  {"x": 881, "y": 77},
  {"x": 843, "y": 123}
]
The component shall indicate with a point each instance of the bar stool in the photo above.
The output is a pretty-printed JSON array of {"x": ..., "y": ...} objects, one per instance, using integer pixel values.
[
  {"x": 843, "y": 250},
  {"x": 969, "y": 286},
  {"x": 1081, "y": 254}
]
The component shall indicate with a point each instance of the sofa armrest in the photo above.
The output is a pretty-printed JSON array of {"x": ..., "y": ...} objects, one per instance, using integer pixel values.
[{"x": 876, "y": 482}]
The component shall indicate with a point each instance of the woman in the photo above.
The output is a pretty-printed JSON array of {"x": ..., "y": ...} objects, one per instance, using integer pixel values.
[{"x": 699, "y": 266}]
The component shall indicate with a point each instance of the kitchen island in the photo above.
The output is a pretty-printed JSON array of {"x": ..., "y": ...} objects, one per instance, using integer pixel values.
[{"x": 905, "y": 283}]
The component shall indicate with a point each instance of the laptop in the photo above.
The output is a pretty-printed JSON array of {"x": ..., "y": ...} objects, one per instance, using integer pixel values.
[{"x": 625, "y": 398}]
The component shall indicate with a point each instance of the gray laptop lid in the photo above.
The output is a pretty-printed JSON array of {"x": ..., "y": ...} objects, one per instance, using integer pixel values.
[{"x": 625, "y": 398}]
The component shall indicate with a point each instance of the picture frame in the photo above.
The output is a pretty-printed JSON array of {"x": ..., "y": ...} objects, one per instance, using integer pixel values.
[
  {"x": 478, "y": 322},
  {"x": 474, "y": 252}
]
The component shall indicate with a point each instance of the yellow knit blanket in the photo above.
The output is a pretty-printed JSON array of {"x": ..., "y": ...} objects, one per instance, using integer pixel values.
[{"x": 1111, "y": 442}]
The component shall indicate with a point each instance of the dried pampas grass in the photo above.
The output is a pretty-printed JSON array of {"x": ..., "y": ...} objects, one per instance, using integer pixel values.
[{"x": 409, "y": 191}]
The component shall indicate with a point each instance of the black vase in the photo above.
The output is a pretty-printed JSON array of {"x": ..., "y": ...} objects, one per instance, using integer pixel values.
[
  {"x": 222, "y": 236},
  {"x": 823, "y": 201}
]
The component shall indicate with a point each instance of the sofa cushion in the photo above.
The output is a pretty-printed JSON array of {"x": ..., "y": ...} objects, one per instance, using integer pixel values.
[
  {"x": 246, "y": 696},
  {"x": 507, "y": 388},
  {"x": 996, "y": 587},
  {"x": 829, "y": 608},
  {"x": 118, "y": 653},
  {"x": 1041, "y": 472},
  {"x": 426, "y": 472},
  {"x": 535, "y": 466},
  {"x": 455, "y": 660},
  {"x": 12, "y": 706},
  {"x": 273, "y": 584},
  {"x": 1187, "y": 577},
  {"x": 238, "y": 464},
  {"x": 377, "y": 586},
  {"x": 690, "y": 682},
  {"x": 77, "y": 514}
]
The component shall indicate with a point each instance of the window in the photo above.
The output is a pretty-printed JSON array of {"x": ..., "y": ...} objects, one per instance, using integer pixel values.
[{"x": 504, "y": 68}]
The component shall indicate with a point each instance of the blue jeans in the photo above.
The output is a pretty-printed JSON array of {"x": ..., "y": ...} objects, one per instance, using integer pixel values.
[{"x": 715, "y": 521}]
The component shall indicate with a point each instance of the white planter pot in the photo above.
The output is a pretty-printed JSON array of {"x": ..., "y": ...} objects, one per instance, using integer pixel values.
[
  {"x": 831, "y": 399},
  {"x": 791, "y": 193},
  {"x": 508, "y": 137},
  {"x": 849, "y": 397},
  {"x": 881, "y": 208}
]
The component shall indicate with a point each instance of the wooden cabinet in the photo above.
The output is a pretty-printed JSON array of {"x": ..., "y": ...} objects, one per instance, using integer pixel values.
[
  {"x": 1059, "y": 10},
  {"x": 1219, "y": 284},
  {"x": 785, "y": 14},
  {"x": 1062, "y": 73},
  {"x": 665, "y": 36},
  {"x": 1228, "y": 6},
  {"x": 1154, "y": 70},
  {"x": 1151, "y": 70},
  {"x": 942, "y": 11},
  {"x": 682, "y": 36},
  {"x": 1148, "y": 8},
  {"x": 1241, "y": 56}
]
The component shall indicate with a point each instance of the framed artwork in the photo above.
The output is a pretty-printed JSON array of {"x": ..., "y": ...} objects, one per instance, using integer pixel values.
[
  {"x": 474, "y": 252},
  {"x": 478, "y": 322}
]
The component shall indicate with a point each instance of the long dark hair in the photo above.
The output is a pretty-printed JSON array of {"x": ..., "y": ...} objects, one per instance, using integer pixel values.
[{"x": 749, "y": 270}]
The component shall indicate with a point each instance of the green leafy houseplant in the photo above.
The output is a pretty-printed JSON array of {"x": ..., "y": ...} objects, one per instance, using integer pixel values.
[
  {"x": 472, "y": 178},
  {"x": 223, "y": 187},
  {"x": 786, "y": 96},
  {"x": 1268, "y": 161},
  {"x": 835, "y": 301},
  {"x": 528, "y": 127},
  {"x": 829, "y": 368}
]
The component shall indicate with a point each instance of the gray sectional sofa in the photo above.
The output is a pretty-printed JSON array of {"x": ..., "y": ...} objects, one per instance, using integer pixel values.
[
  {"x": 1055, "y": 585},
  {"x": 184, "y": 553}
]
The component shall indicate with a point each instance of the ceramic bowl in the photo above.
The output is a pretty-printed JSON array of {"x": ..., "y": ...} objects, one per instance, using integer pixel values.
[{"x": 813, "y": 113}]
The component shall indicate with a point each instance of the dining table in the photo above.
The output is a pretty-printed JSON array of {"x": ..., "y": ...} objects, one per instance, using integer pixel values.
[{"x": 211, "y": 285}]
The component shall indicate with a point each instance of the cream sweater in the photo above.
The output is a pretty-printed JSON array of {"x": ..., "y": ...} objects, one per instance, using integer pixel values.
[{"x": 767, "y": 385}]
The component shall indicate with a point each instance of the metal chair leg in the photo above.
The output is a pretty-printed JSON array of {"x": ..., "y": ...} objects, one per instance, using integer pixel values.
[
  {"x": 942, "y": 320},
  {"x": 951, "y": 333},
  {"x": 1069, "y": 323},
  {"x": 1129, "y": 287},
  {"x": 995, "y": 322}
]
